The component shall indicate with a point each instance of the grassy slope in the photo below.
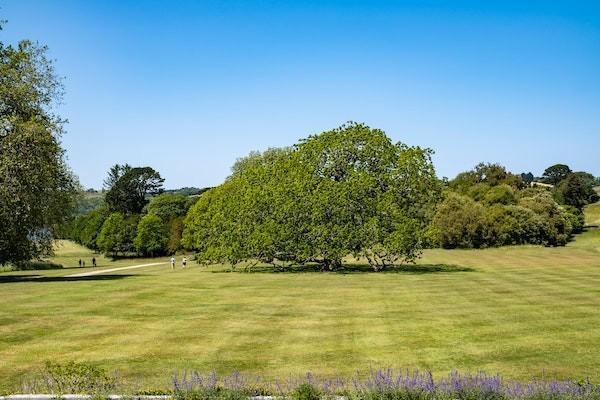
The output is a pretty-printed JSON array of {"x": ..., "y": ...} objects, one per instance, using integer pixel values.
[{"x": 520, "y": 311}]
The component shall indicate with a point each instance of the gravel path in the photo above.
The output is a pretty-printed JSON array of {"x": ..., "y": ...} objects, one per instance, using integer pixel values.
[{"x": 104, "y": 271}]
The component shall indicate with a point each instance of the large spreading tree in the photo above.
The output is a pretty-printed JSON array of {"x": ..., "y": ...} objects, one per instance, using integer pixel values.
[
  {"x": 37, "y": 189},
  {"x": 345, "y": 191}
]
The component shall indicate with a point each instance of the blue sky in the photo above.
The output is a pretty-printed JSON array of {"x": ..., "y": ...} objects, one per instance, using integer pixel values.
[{"x": 189, "y": 86}]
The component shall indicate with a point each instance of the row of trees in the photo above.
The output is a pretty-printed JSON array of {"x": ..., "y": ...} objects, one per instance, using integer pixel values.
[
  {"x": 345, "y": 191},
  {"x": 136, "y": 217},
  {"x": 490, "y": 206}
]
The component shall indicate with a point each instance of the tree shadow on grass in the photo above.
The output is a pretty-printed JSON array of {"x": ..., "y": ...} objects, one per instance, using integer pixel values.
[
  {"x": 41, "y": 278},
  {"x": 354, "y": 269}
]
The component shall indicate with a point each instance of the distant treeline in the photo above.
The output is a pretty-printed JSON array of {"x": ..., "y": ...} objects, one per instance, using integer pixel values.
[
  {"x": 133, "y": 215},
  {"x": 349, "y": 191}
]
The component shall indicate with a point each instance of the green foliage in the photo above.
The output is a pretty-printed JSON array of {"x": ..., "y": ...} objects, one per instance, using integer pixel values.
[
  {"x": 168, "y": 206},
  {"x": 527, "y": 177},
  {"x": 490, "y": 206},
  {"x": 556, "y": 173},
  {"x": 117, "y": 234},
  {"x": 216, "y": 393},
  {"x": 36, "y": 266},
  {"x": 510, "y": 225},
  {"x": 488, "y": 174},
  {"x": 85, "y": 229},
  {"x": 459, "y": 222},
  {"x": 556, "y": 227},
  {"x": 463, "y": 222},
  {"x": 305, "y": 391},
  {"x": 152, "y": 236},
  {"x": 114, "y": 174},
  {"x": 501, "y": 194},
  {"x": 175, "y": 234},
  {"x": 576, "y": 190},
  {"x": 129, "y": 194},
  {"x": 37, "y": 189},
  {"x": 345, "y": 191},
  {"x": 74, "y": 378},
  {"x": 171, "y": 208},
  {"x": 576, "y": 218}
]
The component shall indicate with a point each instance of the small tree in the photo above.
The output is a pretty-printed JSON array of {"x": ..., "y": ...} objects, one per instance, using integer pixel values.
[
  {"x": 117, "y": 234},
  {"x": 459, "y": 222},
  {"x": 556, "y": 173},
  {"x": 152, "y": 236},
  {"x": 576, "y": 190},
  {"x": 130, "y": 193},
  {"x": 114, "y": 174}
]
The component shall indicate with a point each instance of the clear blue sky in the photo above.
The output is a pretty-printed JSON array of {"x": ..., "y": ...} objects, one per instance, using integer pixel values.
[{"x": 188, "y": 86}]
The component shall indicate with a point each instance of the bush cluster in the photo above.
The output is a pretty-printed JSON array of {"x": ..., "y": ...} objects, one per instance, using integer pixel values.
[{"x": 492, "y": 207}]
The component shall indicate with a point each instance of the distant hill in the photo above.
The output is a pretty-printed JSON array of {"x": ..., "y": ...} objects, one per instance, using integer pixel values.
[
  {"x": 90, "y": 200},
  {"x": 188, "y": 191}
]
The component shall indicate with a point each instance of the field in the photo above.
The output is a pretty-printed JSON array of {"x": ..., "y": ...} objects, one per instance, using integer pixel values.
[{"x": 520, "y": 311}]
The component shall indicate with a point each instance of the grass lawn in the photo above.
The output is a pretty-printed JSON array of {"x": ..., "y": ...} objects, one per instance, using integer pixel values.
[{"x": 520, "y": 311}]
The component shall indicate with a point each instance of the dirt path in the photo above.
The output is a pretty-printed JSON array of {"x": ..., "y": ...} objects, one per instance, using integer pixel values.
[{"x": 104, "y": 271}]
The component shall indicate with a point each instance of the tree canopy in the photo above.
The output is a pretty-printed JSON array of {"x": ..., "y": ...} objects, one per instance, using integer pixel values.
[
  {"x": 556, "y": 173},
  {"x": 37, "y": 189},
  {"x": 345, "y": 191},
  {"x": 129, "y": 194}
]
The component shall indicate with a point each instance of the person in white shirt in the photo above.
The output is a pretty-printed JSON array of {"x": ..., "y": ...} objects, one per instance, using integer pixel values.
[
  {"x": 172, "y": 262},
  {"x": 184, "y": 262}
]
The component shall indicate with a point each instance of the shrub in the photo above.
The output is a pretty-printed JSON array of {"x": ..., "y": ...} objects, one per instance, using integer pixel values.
[
  {"x": 72, "y": 378},
  {"x": 509, "y": 225},
  {"x": 459, "y": 222},
  {"x": 305, "y": 391},
  {"x": 576, "y": 218},
  {"x": 501, "y": 194},
  {"x": 117, "y": 234},
  {"x": 36, "y": 265},
  {"x": 556, "y": 227}
]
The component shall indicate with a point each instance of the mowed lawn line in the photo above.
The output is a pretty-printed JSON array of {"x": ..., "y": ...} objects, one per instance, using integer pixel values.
[{"x": 520, "y": 311}]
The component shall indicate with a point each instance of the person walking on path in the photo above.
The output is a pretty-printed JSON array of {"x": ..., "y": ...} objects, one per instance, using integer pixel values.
[
  {"x": 172, "y": 262},
  {"x": 80, "y": 263},
  {"x": 184, "y": 262},
  {"x": 94, "y": 262}
]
